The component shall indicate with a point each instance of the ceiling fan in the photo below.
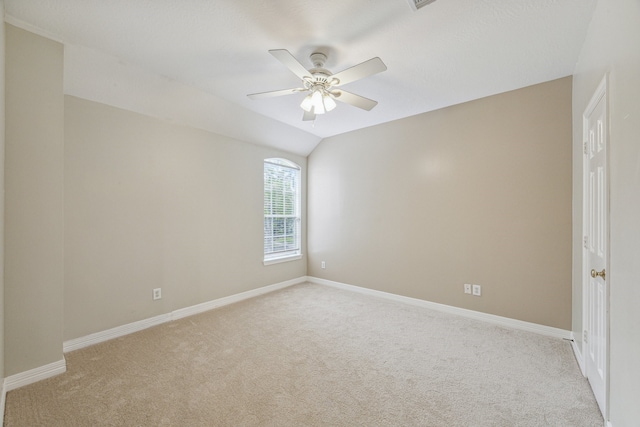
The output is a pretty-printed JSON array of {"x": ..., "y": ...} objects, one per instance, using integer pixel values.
[{"x": 321, "y": 85}]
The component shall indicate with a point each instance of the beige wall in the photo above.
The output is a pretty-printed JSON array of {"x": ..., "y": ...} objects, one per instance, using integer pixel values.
[
  {"x": 150, "y": 204},
  {"x": 33, "y": 201},
  {"x": 475, "y": 193},
  {"x": 611, "y": 48},
  {"x": 2, "y": 146}
]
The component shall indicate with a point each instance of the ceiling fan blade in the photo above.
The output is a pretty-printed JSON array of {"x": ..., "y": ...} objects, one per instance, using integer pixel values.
[
  {"x": 273, "y": 93},
  {"x": 355, "y": 100},
  {"x": 308, "y": 116},
  {"x": 290, "y": 62},
  {"x": 364, "y": 69}
]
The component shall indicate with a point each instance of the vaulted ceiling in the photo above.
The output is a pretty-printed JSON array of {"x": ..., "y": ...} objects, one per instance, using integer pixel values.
[{"x": 194, "y": 61}]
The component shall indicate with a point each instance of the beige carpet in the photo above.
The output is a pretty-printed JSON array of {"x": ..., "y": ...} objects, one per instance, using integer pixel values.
[{"x": 311, "y": 355}]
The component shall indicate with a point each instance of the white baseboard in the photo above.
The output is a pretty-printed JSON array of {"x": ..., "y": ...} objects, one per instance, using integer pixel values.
[
  {"x": 109, "y": 334},
  {"x": 31, "y": 376},
  {"x": 484, "y": 317},
  {"x": 119, "y": 331},
  {"x": 210, "y": 305},
  {"x": 578, "y": 354}
]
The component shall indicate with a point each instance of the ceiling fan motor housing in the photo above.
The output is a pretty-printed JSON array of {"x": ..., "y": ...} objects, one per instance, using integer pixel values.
[{"x": 320, "y": 77}]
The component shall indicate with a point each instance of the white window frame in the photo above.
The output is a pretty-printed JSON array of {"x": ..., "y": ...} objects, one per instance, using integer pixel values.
[{"x": 276, "y": 256}]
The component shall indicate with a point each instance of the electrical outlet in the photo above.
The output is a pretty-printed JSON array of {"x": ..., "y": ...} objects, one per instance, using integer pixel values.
[
  {"x": 323, "y": 265},
  {"x": 477, "y": 290},
  {"x": 467, "y": 288},
  {"x": 157, "y": 293}
]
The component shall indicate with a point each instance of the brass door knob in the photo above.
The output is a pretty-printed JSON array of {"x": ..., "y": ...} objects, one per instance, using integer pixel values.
[{"x": 602, "y": 274}]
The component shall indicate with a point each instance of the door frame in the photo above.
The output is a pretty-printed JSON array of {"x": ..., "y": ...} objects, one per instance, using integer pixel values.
[{"x": 600, "y": 93}]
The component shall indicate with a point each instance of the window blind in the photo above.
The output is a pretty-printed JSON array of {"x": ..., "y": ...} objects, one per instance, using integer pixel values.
[{"x": 281, "y": 209}]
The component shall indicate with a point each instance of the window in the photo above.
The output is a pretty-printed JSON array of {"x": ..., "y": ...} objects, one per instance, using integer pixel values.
[{"x": 281, "y": 211}]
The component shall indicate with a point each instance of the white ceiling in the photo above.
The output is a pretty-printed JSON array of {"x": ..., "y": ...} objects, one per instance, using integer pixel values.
[{"x": 194, "y": 61}]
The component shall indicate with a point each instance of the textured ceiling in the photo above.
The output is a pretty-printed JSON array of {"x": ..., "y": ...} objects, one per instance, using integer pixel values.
[{"x": 194, "y": 61}]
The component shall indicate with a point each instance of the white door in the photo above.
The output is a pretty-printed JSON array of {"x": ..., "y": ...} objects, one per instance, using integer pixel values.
[{"x": 596, "y": 245}]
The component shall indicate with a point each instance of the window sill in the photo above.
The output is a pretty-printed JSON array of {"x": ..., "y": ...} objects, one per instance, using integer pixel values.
[{"x": 282, "y": 259}]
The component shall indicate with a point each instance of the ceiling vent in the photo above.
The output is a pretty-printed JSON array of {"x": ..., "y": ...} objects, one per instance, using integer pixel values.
[{"x": 417, "y": 4}]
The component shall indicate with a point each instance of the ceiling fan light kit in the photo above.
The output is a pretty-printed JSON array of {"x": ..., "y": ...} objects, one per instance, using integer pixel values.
[
  {"x": 318, "y": 102},
  {"x": 319, "y": 83}
]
